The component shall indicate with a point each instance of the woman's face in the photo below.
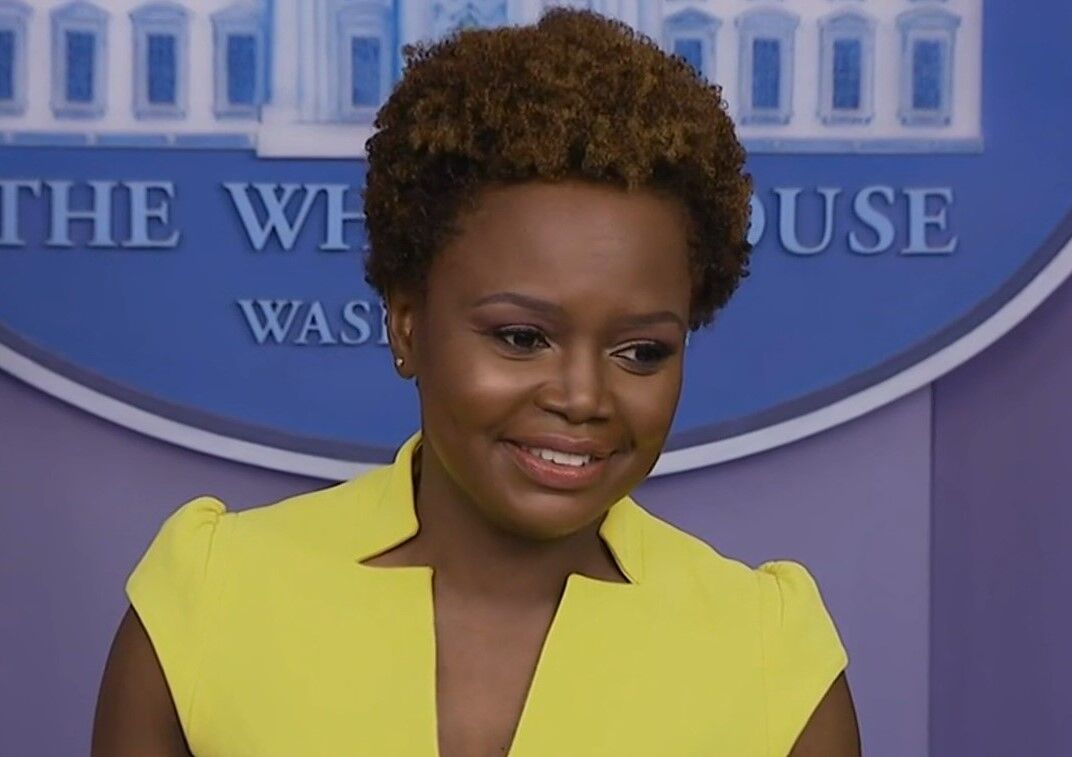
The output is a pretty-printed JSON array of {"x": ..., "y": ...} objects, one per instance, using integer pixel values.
[{"x": 548, "y": 350}]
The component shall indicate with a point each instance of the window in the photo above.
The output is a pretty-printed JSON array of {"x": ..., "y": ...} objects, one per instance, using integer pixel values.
[
  {"x": 365, "y": 66},
  {"x": 240, "y": 61},
  {"x": 7, "y": 64},
  {"x": 80, "y": 49},
  {"x": 691, "y": 49},
  {"x": 451, "y": 15},
  {"x": 163, "y": 69},
  {"x": 13, "y": 16},
  {"x": 766, "y": 72},
  {"x": 847, "y": 51},
  {"x": 691, "y": 34},
  {"x": 160, "y": 51},
  {"x": 364, "y": 49},
  {"x": 848, "y": 60},
  {"x": 242, "y": 69},
  {"x": 928, "y": 41},
  {"x": 766, "y": 66},
  {"x": 79, "y": 41},
  {"x": 926, "y": 74}
]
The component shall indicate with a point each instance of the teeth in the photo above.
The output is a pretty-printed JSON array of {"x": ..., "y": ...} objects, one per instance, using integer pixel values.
[{"x": 559, "y": 458}]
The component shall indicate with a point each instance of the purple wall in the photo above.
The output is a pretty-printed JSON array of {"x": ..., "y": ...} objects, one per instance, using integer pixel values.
[
  {"x": 984, "y": 611},
  {"x": 1001, "y": 676}
]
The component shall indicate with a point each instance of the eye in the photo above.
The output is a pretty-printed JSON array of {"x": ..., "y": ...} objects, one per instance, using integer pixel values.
[
  {"x": 645, "y": 356},
  {"x": 521, "y": 338}
]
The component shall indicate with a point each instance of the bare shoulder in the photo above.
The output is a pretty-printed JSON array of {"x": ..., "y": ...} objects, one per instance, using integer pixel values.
[
  {"x": 832, "y": 730},
  {"x": 135, "y": 713}
]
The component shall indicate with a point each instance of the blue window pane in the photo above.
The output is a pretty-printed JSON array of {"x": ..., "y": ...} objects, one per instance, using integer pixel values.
[
  {"x": 7, "y": 64},
  {"x": 241, "y": 69},
  {"x": 162, "y": 68},
  {"x": 927, "y": 75},
  {"x": 365, "y": 71},
  {"x": 692, "y": 51},
  {"x": 766, "y": 73},
  {"x": 80, "y": 51},
  {"x": 848, "y": 59}
]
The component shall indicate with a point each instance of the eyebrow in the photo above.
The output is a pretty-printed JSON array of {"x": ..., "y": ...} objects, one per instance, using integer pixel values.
[{"x": 551, "y": 309}]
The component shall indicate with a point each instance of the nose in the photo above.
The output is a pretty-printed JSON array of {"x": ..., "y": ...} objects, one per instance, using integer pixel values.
[{"x": 578, "y": 390}]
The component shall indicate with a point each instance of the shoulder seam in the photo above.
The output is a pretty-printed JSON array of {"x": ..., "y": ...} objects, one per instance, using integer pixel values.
[{"x": 213, "y": 572}]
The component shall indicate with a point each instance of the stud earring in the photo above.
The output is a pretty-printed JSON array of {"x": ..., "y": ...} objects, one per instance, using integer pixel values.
[{"x": 398, "y": 362}]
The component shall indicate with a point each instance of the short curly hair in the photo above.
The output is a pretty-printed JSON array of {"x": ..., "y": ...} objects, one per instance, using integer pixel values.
[{"x": 574, "y": 97}]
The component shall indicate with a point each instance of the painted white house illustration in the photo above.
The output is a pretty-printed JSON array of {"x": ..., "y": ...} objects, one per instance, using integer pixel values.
[{"x": 305, "y": 77}]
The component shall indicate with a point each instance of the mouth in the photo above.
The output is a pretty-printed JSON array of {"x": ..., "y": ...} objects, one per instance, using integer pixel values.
[{"x": 556, "y": 468}]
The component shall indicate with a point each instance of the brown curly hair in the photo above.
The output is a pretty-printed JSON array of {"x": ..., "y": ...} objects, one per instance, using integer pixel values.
[{"x": 576, "y": 96}]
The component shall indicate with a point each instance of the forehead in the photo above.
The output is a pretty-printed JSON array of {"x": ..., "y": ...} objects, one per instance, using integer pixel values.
[{"x": 576, "y": 243}]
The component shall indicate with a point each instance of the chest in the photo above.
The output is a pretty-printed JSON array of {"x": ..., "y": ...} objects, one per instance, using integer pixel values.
[
  {"x": 374, "y": 667},
  {"x": 486, "y": 658}
]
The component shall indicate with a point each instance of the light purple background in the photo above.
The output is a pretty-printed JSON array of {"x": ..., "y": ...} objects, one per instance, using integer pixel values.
[{"x": 937, "y": 527}]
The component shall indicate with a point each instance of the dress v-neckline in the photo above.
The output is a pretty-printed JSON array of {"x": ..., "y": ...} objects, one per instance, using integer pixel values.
[
  {"x": 414, "y": 584},
  {"x": 393, "y": 520},
  {"x": 532, "y": 691}
]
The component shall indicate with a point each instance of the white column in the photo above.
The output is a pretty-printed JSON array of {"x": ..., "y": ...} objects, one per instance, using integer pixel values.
[
  {"x": 414, "y": 21},
  {"x": 285, "y": 43},
  {"x": 38, "y": 114},
  {"x": 650, "y": 17},
  {"x": 629, "y": 12},
  {"x": 523, "y": 12}
]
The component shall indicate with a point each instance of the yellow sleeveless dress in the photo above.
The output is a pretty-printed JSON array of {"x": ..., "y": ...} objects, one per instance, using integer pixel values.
[{"x": 276, "y": 641}]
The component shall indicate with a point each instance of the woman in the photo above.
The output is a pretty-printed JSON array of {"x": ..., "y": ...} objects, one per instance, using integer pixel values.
[{"x": 551, "y": 209}]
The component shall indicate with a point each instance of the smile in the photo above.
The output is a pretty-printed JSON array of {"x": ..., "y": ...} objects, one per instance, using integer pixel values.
[
  {"x": 557, "y": 469},
  {"x": 559, "y": 458}
]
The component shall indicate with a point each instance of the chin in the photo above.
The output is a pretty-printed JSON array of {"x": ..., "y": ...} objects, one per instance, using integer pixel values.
[{"x": 547, "y": 516}]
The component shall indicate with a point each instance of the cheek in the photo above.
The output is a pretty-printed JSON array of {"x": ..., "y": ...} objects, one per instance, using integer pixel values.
[
  {"x": 467, "y": 384},
  {"x": 647, "y": 406}
]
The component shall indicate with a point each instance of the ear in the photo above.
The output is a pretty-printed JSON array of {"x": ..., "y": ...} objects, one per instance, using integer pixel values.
[{"x": 403, "y": 308}]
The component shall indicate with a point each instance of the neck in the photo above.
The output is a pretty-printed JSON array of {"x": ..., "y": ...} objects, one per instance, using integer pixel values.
[{"x": 476, "y": 556}]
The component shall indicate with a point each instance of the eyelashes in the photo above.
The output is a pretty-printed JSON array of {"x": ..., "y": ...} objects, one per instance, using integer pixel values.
[
  {"x": 647, "y": 353},
  {"x": 522, "y": 338},
  {"x": 642, "y": 356}
]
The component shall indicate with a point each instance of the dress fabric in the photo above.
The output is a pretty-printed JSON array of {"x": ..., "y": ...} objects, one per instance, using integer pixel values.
[{"x": 276, "y": 640}]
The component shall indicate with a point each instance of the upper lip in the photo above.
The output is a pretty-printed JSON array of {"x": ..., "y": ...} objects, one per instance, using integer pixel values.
[{"x": 571, "y": 444}]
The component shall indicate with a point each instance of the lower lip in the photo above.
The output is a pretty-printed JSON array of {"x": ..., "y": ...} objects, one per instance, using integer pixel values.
[{"x": 553, "y": 475}]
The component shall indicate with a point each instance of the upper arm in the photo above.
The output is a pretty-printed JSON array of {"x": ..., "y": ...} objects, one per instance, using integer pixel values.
[
  {"x": 153, "y": 667},
  {"x": 832, "y": 730},
  {"x": 135, "y": 716}
]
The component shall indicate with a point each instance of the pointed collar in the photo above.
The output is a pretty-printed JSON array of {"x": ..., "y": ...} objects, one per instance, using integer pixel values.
[{"x": 390, "y": 517}]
